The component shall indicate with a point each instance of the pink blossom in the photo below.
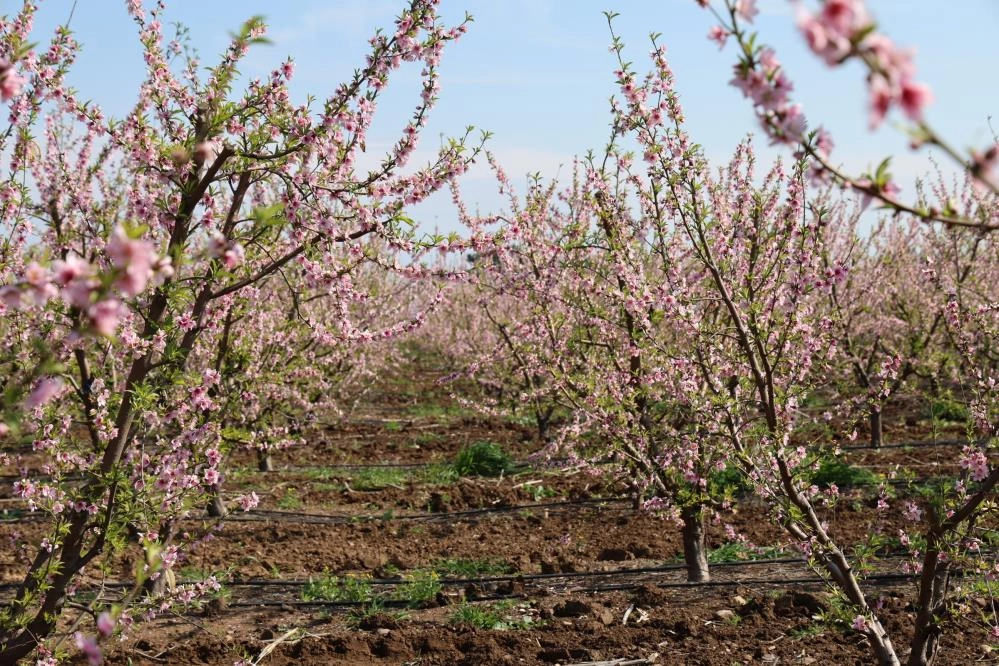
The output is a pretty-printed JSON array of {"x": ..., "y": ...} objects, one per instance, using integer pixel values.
[
  {"x": 880, "y": 95},
  {"x": 975, "y": 461},
  {"x": 10, "y": 81},
  {"x": 913, "y": 97},
  {"x": 46, "y": 389},
  {"x": 912, "y": 512},
  {"x": 88, "y": 646},
  {"x": 233, "y": 256},
  {"x": 104, "y": 316},
  {"x": 860, "y": 623},
  {"x": 36, "y": 275},
  {"x": 11, "y": 297},
  {"x": 718, "y": 34},
  {"x": 846, "y": 17},
  {"x": 105, "y": 623},
  {"x": 247, "y": 502},
  {"x": 747, "y": 9},
  {"x": 135, "y": 258},
  {"x": 68, "y": 269}
]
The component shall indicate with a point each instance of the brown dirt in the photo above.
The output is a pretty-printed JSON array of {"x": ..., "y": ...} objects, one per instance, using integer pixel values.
[{"x": 566, "y": 552}]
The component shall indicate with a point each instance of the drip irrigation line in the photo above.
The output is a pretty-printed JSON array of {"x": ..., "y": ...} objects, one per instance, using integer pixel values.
[
  {"x": 540, "y": 577},
  {"x": 917, "y": 443},
  {"x": 883, "y": 579},
  {"x": 519, "y": 577},
  {"x": 266, "y": 515}
]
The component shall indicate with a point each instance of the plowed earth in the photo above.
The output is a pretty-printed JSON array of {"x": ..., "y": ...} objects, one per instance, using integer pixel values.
[{"x": 575, "y": 574}]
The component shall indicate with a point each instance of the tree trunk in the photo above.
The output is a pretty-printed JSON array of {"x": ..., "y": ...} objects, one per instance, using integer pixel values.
[
  {"x": 264, "y": 461},
  {"x": 933, "y": 585},
  {"x": 884, "y": 651},
  {"x": 216, "y": 507},
  {"x": 876, "y": 427},
  {"x": 694, "y": 550}
]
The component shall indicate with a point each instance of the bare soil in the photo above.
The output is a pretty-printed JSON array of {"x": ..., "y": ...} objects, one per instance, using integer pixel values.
[{"x": 581, "y": 575}]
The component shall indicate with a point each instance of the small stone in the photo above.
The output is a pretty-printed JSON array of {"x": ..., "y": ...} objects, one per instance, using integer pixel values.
[
  {"x": 809, "y": 660},
  {"x": 383, "y": 631},
  {"x": 725, "y": 615},
  {"x": 606, "y": 617},
  {"x": 769, "y": 658},
  {"x": 739, "y": 600}
]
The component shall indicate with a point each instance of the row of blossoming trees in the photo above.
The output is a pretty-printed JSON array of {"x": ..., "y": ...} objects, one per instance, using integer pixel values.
[
  {"x": 675, "y": 318},
  {"x": 210, "y": 271}
]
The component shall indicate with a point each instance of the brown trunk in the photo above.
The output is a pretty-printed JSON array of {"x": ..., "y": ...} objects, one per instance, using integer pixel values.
[
  {"x": 264, "y": 462},
  {"x": 694, "y": 550},
  {"x": 71, "y": 560},
  {"x": 876, "y": 427},
  {"x": 216, "y": 507},
  {"x": 933, "y": 583}
]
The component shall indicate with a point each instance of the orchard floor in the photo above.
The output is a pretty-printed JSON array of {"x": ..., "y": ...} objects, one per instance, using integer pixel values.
[{"x": 560, "y": 564}]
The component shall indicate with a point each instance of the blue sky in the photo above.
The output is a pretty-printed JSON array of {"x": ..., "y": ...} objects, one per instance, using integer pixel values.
[{"x": 537, "y": 73}]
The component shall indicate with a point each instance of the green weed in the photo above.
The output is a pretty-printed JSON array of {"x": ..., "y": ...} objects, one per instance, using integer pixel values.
[
  {"x": 737, "y": 551},
  {"x": 499, "y": 616},
  {"x": 330, "y": 587},
  {"x": 946, "y": 408},
  {"x": 482, "y": 459},
  {"x": 290, "y": 500},
  {"x": 835, "y": 471},
  {"x": 378, "y": 478},
  {"x": 419, "y": 587},
  {"x": 440, "y": 474}
]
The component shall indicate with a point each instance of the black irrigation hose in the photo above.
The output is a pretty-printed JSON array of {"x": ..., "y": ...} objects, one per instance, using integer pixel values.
[
  {"x": 917, "y": 443},
  {"x": 277, "y": 515},
  {"x": 884, "y": 579},
  {"x": 532, "y": 577},
  {"x": 266, "y": 515}
]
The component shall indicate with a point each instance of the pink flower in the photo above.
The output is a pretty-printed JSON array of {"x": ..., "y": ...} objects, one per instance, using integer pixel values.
[
  {"x": 247, "y": 502},
  {"x": 10, "y": 296},
  {"x": 718, "y": 34},
  {"x": 36, "y": 275},
  {"x": 860, "y": 623},
  {"x": 104, "y": 316},
  {"x": 913, "y": 97},
  {"x": 135, "y": 258},
  {"x": 45, "y": 390},
  {"x": 88, "y": 646},
  {"x": 747, "y": 9},
  {"x": 880, "y": 96},
  {"x": 10, "y": 81},
  {"x": 233, "y": 256},
  {"x": 105, "y": 623},
  {"x": 68, "y": 269}
]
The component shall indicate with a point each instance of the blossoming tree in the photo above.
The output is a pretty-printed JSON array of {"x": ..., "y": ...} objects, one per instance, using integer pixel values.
[{"x": 128, "y": 243}]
